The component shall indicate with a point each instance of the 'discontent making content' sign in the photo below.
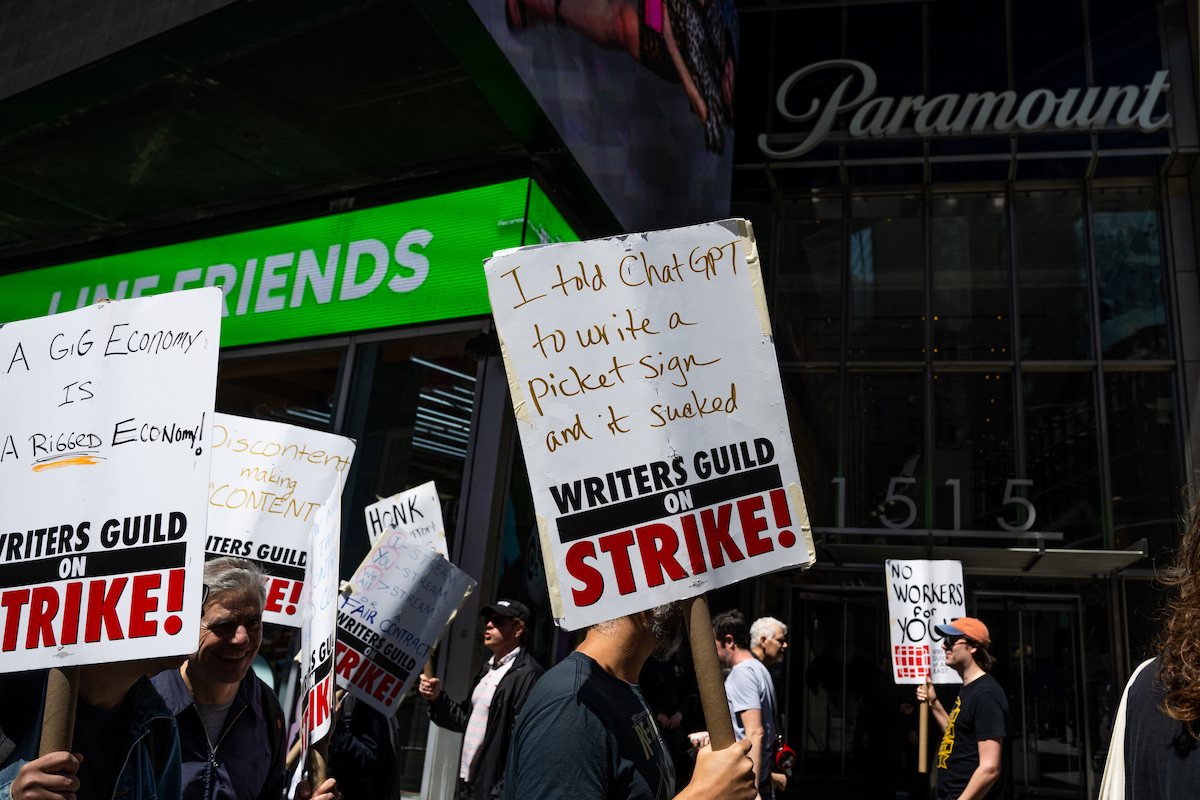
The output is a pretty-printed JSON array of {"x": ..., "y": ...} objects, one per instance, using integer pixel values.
[
  {"x": 267, "y": 482},
  {"x": 318, "y": 631},
  {"x": 922, "y": 594},
  {"x": 104, "y": 454},
  {"x": 418, "y": 511},
  {"x": 404, "y": 595},
  {"x": 648, "y": 400}
]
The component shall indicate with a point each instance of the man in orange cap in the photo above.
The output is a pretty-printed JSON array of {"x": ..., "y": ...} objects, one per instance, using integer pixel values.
[{"x": 970, "y": 755}]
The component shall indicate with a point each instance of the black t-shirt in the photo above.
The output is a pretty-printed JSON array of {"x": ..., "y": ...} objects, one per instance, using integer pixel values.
[
  {"x": 1160, "y": 760},
  {"x": 100, "y": 734},
  {"x": 585, "y": 734},
  {"x": 981, "y": 712}
]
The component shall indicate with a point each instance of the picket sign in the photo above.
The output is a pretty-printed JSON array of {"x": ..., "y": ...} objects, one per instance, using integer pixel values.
[
  {"x": 922, "y": 595},
  {"x": 105, "y": 445},
  {"x": 268, "y": 479},
  {"x": 418, "y": 511},
  {"x": 403, "y": 596},
  {"x": 318, "y": 630},
  {"x": 650, "y": 410}
]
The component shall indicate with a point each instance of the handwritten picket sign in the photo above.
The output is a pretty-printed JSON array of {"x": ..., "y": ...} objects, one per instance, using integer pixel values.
[
  {"x": 318, "y": 630},
  {"x": 418, "y": 511},
  {"x": 650, "y": 410},
  {"x": 922, "y": 594},
  {"x": 404, "y": 595},
  {"x": 105, "y": 445},
  {"x": 268, "y": 479}
]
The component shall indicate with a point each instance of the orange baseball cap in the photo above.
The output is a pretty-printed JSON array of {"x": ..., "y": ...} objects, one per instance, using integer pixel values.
[{"x": 969, "y": 627}]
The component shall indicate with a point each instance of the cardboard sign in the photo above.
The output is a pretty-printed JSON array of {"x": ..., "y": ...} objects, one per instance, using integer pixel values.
[
  {"x": 922, "y": 594},
  {"x": 319, "y": 629},
  {"x": 104, "y": 451},
  {"x": 418, "y": 511},
  {"x": 650, "y": 410},
  {"x": 268, "y": 479},
  {"x": 405, "y": 594}
]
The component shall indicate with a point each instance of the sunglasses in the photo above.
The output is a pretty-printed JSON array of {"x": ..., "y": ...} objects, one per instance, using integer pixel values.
[
  {"x": 949, "y": 643},
  {"x": 496, "y": 621}
]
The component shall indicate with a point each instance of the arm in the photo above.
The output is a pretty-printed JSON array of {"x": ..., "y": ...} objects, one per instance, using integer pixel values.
[
  {"x": 726, "y": 774},
  {"x": 939, "y": 714},
  {"x": 51, "y": 777},
  {"x": 444, "y": 712},
  {"x": 988, "y": 770},
  {"x": 752, "y": 721}
]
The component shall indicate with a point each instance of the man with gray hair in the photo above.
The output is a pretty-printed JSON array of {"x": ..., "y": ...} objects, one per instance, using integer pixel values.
[
  {"x": 230, "y": 723},
  {"x": 768, "y": 640}
]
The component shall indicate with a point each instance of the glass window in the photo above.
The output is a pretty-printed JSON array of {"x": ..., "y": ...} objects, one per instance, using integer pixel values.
[
  {"x": 1048, "y": 45},
  {"x": 1143, "y": 458},
  {"x": 1129, "y": 269},
  {"x": 885, "y": 459},
  {"x": 812, "y": 405},
  {"x": 967, "y": 47},
  {"x": 1052, "y": 275},
  {"x": 889, "y": 38},
  {"x": 1125, "y": 46},
  {"x": 1062, "y": 457},
  {"x": 295, "y": 389},
  {"x": 971, "y": 320},
  {"x": 808, "y": 306},
  {"x": 974, "y": 437},
  {"x": 887, "y": 279}
]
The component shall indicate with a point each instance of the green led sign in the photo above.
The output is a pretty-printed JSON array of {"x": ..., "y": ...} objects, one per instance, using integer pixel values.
[{"x": 416, "y": 261}]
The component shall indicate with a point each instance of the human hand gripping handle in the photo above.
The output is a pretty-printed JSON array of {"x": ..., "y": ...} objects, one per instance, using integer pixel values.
[
  {"x": 50, "y": 777},
  {"x": 722, "y": 774},
  {"x": 328, "y": 790},
  {"x": 430, "y": 688}
]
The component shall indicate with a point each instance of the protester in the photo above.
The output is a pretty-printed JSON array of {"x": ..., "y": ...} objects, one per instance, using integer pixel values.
[
  {"x": 500, "y": 690},
  {"x": 768, "y": 640},
  {"x": 664, "y": 687},
  {"x": 361, "y": 751},
  {"x": 751, "y": 694},
  {"x": 124, "y": 743},
  {"x": 230, "y": 724},
  {"x": 970, "y": 755},
  {"x": 586, "y": 732},
  {"x": 1152, "y": 752}
]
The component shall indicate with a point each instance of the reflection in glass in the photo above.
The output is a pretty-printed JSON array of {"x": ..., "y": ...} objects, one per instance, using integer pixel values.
[
  {"x": 812, "y": 406},
  {"x": 1143, "y": 458},
  {"x": 1133, "y": 317},
  {"x": 1061, "y": 454},
  {"x": 808, "y": 298},
  {"x": 1052, "y": 275},
  {"x": 973, "y": 437},
  {"x": 887, "y": 283},
  {"x": 885, "y": 451},
  {"x": 295, "y": 389},
  {"x": 969, "y": 257}
]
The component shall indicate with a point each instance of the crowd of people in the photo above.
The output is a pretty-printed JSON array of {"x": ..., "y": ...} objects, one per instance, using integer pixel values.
[{"x": 605, "y": 722}]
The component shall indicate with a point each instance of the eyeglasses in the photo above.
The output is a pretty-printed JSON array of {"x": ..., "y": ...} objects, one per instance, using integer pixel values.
[
  {"x": 497, "y": 620},
  {"x": 949, "y": 643}
]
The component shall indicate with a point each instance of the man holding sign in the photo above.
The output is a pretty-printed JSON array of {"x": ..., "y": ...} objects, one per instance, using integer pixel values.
[
  {"x": 970, "y": 755},
  {"x": 586, "y": 732}
]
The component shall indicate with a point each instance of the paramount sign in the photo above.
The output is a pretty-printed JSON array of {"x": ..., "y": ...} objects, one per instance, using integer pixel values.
[{"x": 978, "y": 112}]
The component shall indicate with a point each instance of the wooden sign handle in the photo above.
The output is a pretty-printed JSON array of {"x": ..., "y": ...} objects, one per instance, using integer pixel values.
[
  {"x": 58, "y": 717},
  {"x": 318, "y": 764},
  {"x": 923, "y": 740},
  {"x": 708, "y": 673}
]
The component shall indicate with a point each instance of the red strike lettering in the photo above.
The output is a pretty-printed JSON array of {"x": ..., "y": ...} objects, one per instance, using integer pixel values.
[
  {"x": 748, "y": 509},
  {"x": 381, "y": 690},
  {"x": 617, "y": 546},
  {"x": 102, "y": 609},
  {"x": 716, "y": 535},
  {"x": 141, "y": 604},
  {"x": 347, "y": 660},
  {"x": 657, "y": 544},
  {"x": 277, "y": 595},
  {"x": 321, "y": 692},
  {"x": 13, "y": 601},
  {"x": 692, "y": 537},
  {"x": 593, "y": 581},
  {"x": 42, "y": 609},
  {"x": 368, "y": 675}
]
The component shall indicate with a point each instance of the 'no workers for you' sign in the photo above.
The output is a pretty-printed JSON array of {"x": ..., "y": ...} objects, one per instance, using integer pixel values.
[{"x": 648, "y": 399}]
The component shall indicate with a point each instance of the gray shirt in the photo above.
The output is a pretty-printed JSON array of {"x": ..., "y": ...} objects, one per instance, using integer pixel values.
[{"x": 749, "y": 687}]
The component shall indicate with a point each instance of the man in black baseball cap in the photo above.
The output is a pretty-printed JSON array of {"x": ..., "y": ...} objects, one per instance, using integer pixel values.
[{"x": 486, "y": 717}]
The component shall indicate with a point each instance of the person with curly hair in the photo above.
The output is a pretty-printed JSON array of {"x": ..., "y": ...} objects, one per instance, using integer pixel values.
[{"x": 1157, "y": 727}]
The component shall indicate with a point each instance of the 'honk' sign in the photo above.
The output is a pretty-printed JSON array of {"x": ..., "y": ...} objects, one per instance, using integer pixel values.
[
  {"x": 651, "y": 414},
  {"x": 105, "y": 445}
]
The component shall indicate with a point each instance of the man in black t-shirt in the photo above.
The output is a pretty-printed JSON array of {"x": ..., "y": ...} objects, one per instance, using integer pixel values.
[
  {"x": 969, "y": 758},
  {"x": 586, "y": 732}
]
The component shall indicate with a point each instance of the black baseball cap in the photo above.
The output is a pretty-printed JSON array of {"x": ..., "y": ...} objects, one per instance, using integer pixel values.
[{"x": 506, "y": 608}]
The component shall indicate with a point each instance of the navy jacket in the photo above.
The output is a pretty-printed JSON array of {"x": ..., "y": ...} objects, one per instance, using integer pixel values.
[
  {"x": 242, "y": 764},
  {"x": 151, "y": 748}
]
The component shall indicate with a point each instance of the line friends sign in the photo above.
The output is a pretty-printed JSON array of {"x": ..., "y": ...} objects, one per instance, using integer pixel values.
[
  {"x": 648, "y": 399},
  {"x": 922, "y": 594},
  {"x": 104, "y": 455}
]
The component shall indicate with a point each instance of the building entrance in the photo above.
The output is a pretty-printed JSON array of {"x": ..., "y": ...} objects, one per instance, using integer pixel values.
[{"x": 1038, "y": 645}]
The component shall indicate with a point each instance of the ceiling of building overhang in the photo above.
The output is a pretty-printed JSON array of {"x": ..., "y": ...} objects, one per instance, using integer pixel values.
[{"x": 253, "y": 105}]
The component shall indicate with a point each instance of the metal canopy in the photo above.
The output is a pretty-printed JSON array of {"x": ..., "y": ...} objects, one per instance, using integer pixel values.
[{"x": 1036, "y": 561}]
